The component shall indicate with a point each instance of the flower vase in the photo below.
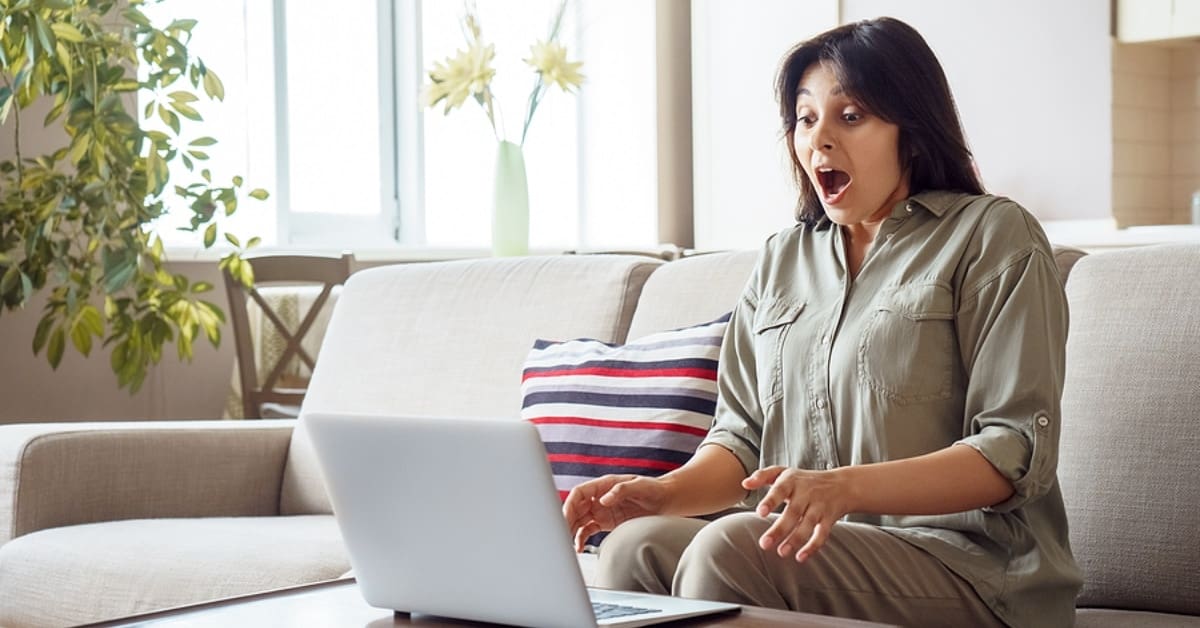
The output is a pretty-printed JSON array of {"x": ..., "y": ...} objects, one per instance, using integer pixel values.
[{"x": 510, "y": 203}]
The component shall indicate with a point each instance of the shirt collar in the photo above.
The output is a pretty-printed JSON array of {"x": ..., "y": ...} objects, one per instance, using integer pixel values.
[{"x": 937, "y": 202}]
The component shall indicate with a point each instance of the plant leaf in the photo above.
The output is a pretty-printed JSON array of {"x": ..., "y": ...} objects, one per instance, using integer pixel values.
[
  {"x": 26, "y": 287},
  {"x": 184, "y": 25},
  {"x": 183, "y": 97},
  {"x": 6, "y": 101},
  {"x": 43, "y": 332},
  {"x": 81, "y": 337},
  {"x": 233, "y": 240},
  {"x": 259, "y": 194},
  {"x": 169, "y": 118},
  {"x": 45, "y": 35},
  {"x": 213, "y": 86},
  {"x": 54, "y": 352},
  {"x": 186, "y": 111},
  {"x": 10, "y": 279},
  {"x": 202, "y": 141},
  {"x": 91, "y": 319},
  {"x": 210, "y": 235},
  {"x": 67, "y": 31},
  {"x": 63, "y": 56}
]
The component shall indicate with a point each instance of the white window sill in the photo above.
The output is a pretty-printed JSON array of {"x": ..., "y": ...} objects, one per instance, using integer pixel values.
[
  {"x": 379, "y": 255},
  {"x": 1091, "y": 235}
]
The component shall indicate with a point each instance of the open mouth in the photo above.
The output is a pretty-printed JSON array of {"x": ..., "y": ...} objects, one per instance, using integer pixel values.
[{"x": 833, "y": 183}]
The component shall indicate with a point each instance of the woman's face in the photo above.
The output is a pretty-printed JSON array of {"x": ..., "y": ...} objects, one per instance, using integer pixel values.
[{"x": 851, "y": 157}]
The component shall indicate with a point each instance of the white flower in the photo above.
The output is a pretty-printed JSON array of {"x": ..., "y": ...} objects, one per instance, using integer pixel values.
[
  {"x": 550, "y": 60},
  {"x": 468, "y": 73}
]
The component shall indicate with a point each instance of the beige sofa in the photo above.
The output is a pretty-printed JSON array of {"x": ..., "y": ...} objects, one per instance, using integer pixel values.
[{"x": 105, "y": 520}]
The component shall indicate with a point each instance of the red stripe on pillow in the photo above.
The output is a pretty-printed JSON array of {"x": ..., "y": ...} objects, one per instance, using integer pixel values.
[
  {"x": 621, "y": 462},
  {"x": 710, "y": 374},
  {"x": 628, "y": 425}
]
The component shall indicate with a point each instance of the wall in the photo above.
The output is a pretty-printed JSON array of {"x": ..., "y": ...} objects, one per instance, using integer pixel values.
[
  {"x": 743, "y": 185},
  {"x": 1156, "y": 132},
  {"x": 1033, "y": 82},
  {"x": 1185, "y": 130},
  {"x": 1141, "y": 130},
  {"x": 84, "y": 389}
]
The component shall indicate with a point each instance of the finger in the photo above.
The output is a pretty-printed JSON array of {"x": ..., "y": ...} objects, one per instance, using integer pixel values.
[
  {"x": 800, "y": 535},
  {"x": 581, "y": 501},
  {"x": 583, "y": 534},
  {"x": 762, "y": 477},
  {"x": 577, "y": 509},
  {"x": 816, "y": 542},
  {"x": 787, "y": 521},
  {"x": 620, "y": 491},
  {"x": 774, "y": 498}
]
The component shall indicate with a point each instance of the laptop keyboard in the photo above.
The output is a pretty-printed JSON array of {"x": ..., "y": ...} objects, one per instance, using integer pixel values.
[{"x": 609, "y": 611}]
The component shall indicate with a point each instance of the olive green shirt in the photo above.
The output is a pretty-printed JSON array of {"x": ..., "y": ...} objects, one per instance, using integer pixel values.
[{"x": 953, "y": 332}]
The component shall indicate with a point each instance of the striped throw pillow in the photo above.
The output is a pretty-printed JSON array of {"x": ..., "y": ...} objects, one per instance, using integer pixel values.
[{"x": 642, "y": 407}]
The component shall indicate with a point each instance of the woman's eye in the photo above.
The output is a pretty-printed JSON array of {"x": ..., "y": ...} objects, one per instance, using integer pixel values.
[
  {"x": 852, "y": 117},
  {"x": 806, "y": 120}
]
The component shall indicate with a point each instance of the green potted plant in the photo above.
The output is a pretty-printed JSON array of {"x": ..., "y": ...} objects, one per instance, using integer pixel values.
[{"x": 75, "y": 221}]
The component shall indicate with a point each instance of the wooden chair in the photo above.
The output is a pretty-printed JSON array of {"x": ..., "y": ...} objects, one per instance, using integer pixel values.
[{"x": 276, "y": 397}]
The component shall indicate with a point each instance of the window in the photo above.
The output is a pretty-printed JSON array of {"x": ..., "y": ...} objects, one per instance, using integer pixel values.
[{"x": 325, "y": 114}]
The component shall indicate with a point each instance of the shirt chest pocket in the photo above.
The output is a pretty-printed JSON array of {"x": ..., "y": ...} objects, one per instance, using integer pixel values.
[
  {"x": 908, "y": 350},
  {"x": 772, "y": 322}
]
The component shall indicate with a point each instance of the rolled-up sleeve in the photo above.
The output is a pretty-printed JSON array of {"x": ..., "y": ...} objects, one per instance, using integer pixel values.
[
  {"x": 1012, "y": 329},
  {"x": 737, "y": 424}
]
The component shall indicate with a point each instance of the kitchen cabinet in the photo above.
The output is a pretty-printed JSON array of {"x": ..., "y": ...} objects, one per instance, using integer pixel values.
[{"x": 1157, "y": 20}]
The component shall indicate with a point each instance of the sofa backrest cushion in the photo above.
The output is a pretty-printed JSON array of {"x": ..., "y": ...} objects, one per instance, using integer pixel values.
[
  {"x": 691, "y": 291},
  {"x": 450, "y": 338},
  {"x": 700, "y": 288},
  {"x": 1129, "y": 455}
]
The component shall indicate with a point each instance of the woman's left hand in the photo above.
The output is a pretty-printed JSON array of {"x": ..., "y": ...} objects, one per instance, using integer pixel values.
[{"x": 815, "y": 500}]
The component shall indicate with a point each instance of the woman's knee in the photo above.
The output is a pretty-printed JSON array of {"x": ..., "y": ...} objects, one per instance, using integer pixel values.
[
  {"x": 724, "y": 562},
  {"x": 734, "y": 536}
]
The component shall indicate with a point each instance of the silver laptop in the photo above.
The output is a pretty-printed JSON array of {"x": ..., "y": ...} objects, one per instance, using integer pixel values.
[{"x": 460, "y": 518}]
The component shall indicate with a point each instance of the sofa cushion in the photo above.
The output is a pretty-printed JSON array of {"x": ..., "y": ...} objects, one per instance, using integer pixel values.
[
  {"x": 1111, "y": 618},
  {"x": 691, "y": 290},
  {"x": 1128, "y": 453},
  {"x": 449, "y": 339},
  {"x": 93, "y": 572},
  {"x": 641, "y": 407}
]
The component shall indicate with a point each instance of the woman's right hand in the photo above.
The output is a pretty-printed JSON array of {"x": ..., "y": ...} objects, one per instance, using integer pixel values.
[{"x": 604, "y": 503}]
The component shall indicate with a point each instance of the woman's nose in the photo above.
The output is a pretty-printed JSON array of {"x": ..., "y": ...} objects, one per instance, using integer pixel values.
[{"x": 820, "y": 138}]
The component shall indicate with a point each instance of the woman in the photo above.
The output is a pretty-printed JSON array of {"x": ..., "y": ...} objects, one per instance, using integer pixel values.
[{"x": 889, "y": 382}]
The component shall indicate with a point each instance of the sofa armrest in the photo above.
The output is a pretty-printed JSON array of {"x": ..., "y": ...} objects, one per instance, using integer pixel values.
[{"x": 58, "y": 474}]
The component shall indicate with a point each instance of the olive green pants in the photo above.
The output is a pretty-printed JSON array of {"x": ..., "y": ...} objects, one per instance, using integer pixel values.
[{"x": 862, "y": 572}]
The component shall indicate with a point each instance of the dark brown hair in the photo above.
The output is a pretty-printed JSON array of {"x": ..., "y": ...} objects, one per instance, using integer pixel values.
[{"x": 887, "y": 68}]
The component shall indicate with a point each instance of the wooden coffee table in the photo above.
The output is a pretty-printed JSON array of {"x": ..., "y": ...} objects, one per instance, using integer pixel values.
[{"x": 338, "y": 603}]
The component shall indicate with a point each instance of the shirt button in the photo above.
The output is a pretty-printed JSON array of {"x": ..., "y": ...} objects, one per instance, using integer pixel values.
[
  {"x": 825, "y": 339},
  {"x": 889, "y": 236},
  {"x": 908, "y": 207},
  {"x": 821, "y": 403},
  {"x": 1043, "y": 421}
]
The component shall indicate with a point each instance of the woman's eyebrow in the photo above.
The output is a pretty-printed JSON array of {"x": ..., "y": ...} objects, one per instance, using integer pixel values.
[{"x": 837, "y": 91}]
